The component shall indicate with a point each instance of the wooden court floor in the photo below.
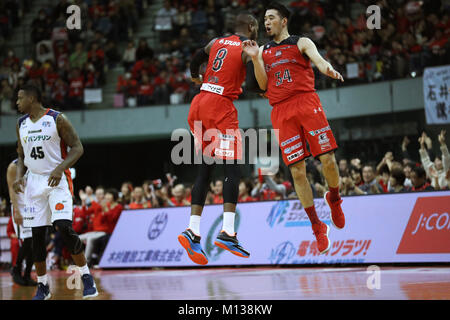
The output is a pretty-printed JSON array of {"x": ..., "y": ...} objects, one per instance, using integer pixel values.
[{"x": 258, "y": 283}]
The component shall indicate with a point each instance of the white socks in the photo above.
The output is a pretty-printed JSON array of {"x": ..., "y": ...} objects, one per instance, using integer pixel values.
[
  {"x": 194, "y": 224},
  {"x": 228, "y": 222},
  {"x": 43, "y": 279},
  {"x": 84, "y": 270}
]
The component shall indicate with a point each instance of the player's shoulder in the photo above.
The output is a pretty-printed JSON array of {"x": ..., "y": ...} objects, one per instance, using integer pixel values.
[
  {"x": 291, "y": 40},
  {"x": 22, "y": 119},
  {"x": 53, "y": 113}
]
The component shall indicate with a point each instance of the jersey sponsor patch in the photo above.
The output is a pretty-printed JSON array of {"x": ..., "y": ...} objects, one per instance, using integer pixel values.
[
  {"x": 293, "y": 148},
  {"x": 296, "y": 155},
  {"x": 229, "y": 43},
  {"x": 323, "y": 138},
  {"x": 212, "y": 88},
  {"x": 59, "y": 206},
  {"x": 224, "y": 153},
  {"x": 286, "y": 142},
  {"x": 319, "y": 131}
]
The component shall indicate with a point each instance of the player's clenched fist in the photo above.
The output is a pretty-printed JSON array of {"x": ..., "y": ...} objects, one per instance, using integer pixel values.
[{"x": 251, "y": 48}]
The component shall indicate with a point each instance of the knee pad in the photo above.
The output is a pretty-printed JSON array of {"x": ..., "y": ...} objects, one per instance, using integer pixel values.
[
  {"x": 69, "y": 236},
  {"x": 231, "y": 183},
  {"x": 38, "y": 243}
]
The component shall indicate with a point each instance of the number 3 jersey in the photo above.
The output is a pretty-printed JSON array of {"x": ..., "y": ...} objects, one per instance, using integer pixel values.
[
  {"x": 43, "y": 148},
  {"x": 225, "y": 72},
  {"x": 289, "y": 72}
]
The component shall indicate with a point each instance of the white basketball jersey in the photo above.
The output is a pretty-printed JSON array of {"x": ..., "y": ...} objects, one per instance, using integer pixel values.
[{"x": 43, "y": 148}]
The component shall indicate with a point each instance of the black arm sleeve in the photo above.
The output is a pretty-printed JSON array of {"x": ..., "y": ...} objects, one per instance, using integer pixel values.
[
  {"x": 251, "y": 84},
  {"x": 199, "y": 58}
]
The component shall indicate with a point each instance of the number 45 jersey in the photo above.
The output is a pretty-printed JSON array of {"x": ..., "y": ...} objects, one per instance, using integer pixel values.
[
  {"x": 225, "y": 72},
  {"x": 289, "y": 72},
  {"x": 43, "y": 148}
]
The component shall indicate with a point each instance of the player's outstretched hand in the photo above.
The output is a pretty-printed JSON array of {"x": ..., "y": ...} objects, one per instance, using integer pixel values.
[
  {"x": 334, "y": 74},
  {"x": 18, "y": 185},
  {"x": 441, "y": 137},
  {"x": 55, "y": 177},
  {"x": 198, "y": 80},
  {"x": 251, "y": 48}
]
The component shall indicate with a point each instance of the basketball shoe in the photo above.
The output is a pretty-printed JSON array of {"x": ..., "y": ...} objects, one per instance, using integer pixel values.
[
  {"x": 231, "y": 243},
  {"x": 321, "y": 231},
  {"x": 337, "y": 216},
  {"x": 191, "y": 242},
  {"x": 43, "y": 292},
  {"x": 90, "y": 290}
]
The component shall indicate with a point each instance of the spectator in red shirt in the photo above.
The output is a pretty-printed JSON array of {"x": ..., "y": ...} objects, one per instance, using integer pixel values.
[
  {"x": 59, "y": 91},
  {"x": 111, "y": 213},
  {"x": 245, "y": 187},
  {"x": 419, "y": 180},
  {"x": 145, "y": 92},
  {"x": 139, "y": 201},
  {"x": 76, "y": 90},
  {"x": 178, "y": 199},
  {"x": 217, "y": 189}
]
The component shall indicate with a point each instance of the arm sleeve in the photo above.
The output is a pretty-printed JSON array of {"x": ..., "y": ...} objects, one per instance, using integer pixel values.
[
  {"x": 445, "y": 158},
  {"x": 425, "y": 159},
  {"x": 278, "y": 188},
  {"x": 251, "y": 84},
  {"x": 199, "y": 57}
]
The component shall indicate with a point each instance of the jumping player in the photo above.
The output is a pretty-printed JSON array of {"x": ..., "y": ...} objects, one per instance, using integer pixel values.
[
  {"x": 22, "y": 229},
  {"x": 283, "y": 68},
  {"x": 44, "y": 137},
  {"x": 214, "y": 123}
]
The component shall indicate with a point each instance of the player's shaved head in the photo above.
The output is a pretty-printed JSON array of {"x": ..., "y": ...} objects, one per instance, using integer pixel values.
[{"x": 247, "y": 24}]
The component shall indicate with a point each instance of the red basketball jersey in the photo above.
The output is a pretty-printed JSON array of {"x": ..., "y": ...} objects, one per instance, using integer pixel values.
[
  {"x": 288, "y": 71},
  {"x": 225, "y": 72}
]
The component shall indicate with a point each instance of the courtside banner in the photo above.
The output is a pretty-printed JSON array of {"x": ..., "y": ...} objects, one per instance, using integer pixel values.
[{"x": 389, "y": 228}]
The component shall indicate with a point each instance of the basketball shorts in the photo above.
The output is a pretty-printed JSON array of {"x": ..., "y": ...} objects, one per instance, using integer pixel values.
[
  {"x": 213, "y": 121},
  {"x": 48, "y": 204},
  {"x": 299, "y": 120}
]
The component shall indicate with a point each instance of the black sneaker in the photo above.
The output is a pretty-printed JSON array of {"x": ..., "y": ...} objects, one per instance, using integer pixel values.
[
  {"x": 191, "y": 243},
  {"x": 231, "y": 243},
  {"x": 17, "y": 278}
]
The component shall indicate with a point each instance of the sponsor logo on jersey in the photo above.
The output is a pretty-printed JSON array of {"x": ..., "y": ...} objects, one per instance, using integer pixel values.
[
  {"x": 226, "y": 137},
  {"x": 224, "y": 153},
  {"x": 34, "y": 131},
  {"x": 59, "y": 206},
  {"x": 295, "y": 155},
  {"x": 323, "y": 138},
  {"x": 286, "y": 142},
  {"x": 294, "y": 147},
  {"x": 36, "y": 138},
  {"x": 313, "y": 133},
  {"x": 212, "y": 88},
  {"x": 46, "y": 124},
  {"x": 229, "y": 43},
  {"x": 278, "y": 53}
]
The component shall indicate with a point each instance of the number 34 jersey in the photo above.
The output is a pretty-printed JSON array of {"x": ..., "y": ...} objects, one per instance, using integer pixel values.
[
  {"x": 43, "y": 148},
  {"x": 289, "y": 72}
]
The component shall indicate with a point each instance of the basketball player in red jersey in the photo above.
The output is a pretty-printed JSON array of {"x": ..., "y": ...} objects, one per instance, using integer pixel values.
[
  {"x": 283, "y": 68},
  {"x": 214, "y": 123}
]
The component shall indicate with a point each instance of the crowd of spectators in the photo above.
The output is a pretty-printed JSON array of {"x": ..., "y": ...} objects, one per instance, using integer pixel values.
[
  {"x": 96, "y": 211},
  {"x": 413, "y": 35},
  {"x": 66, "y": 62}
]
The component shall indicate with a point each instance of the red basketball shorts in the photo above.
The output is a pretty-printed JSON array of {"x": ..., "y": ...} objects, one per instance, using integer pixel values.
[
  {"x": 299, "y": 120},
  {"x": 213, "y": 120}
]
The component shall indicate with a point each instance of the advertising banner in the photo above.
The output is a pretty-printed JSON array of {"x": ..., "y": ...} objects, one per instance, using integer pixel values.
[
  {"x": 436, "y": 85},
  {"x": 389, "y": 228}
]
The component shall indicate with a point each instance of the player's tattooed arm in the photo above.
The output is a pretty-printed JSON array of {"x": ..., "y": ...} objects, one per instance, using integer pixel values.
[
  {"x": 200, "y": 57},
  {"x": 20, "y": 171},
  {"x": 308, "y": 47},
  {"x": 68, "y": 134},
  {"x": 250, "y": 47}
]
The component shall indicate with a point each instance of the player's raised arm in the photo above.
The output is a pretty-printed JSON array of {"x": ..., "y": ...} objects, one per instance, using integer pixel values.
[
  {"x": 250, "y": 47},
  {"x": 308, "y": 47},
  {"x": 200, "y": 57},
  {"x": 20, "y": 171},
  {"x": 68, "y": 134}
]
